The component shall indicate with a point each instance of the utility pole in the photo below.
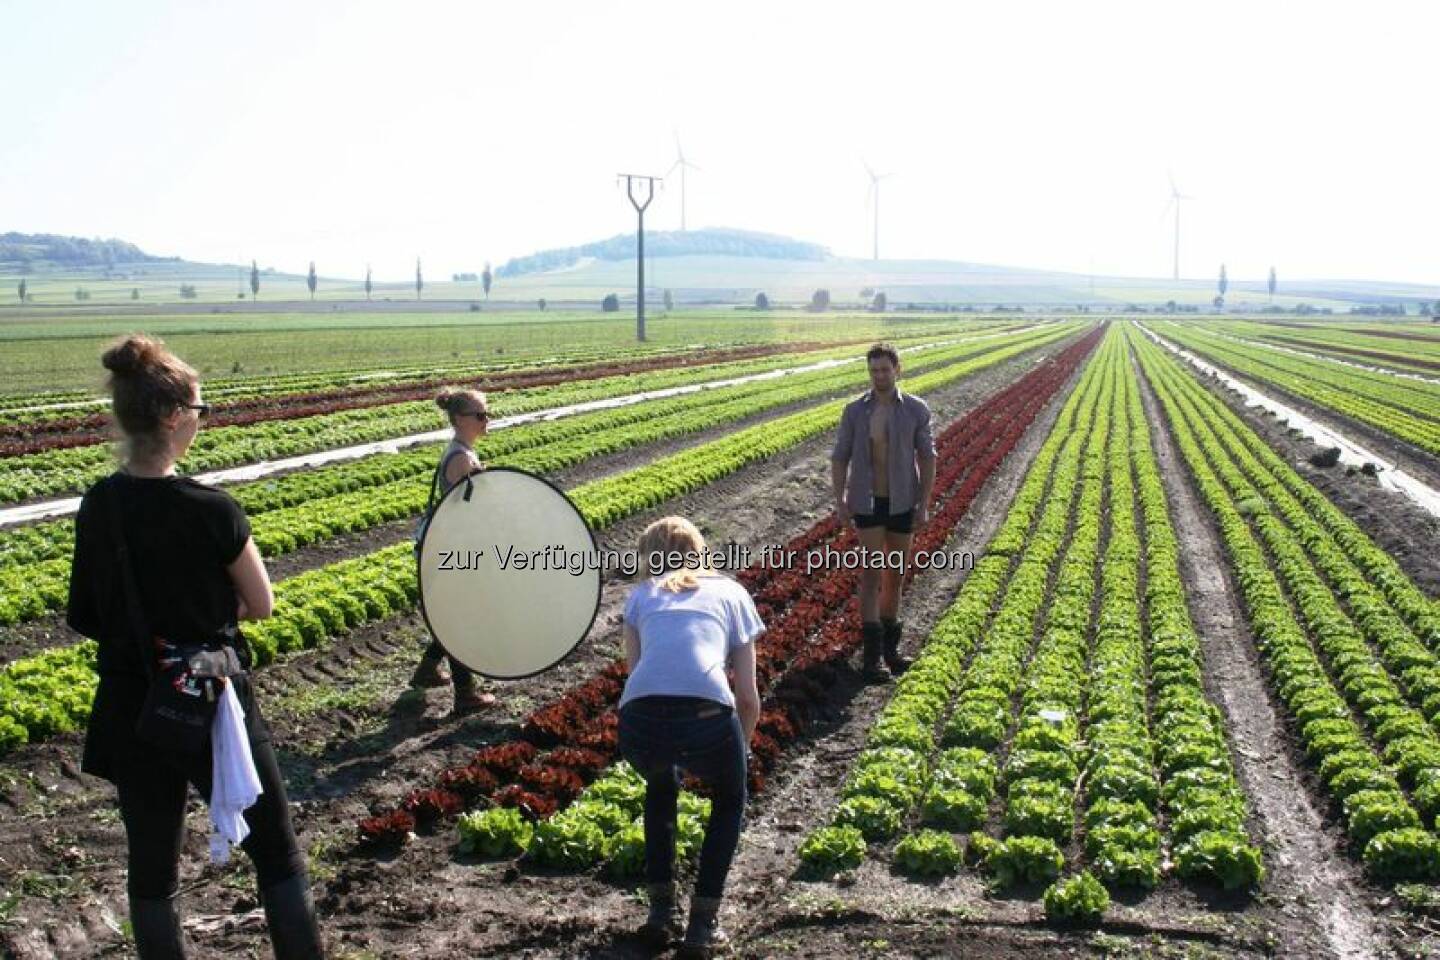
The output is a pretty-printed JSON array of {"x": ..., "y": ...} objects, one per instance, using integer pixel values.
[{"x": 630, "y": 179}]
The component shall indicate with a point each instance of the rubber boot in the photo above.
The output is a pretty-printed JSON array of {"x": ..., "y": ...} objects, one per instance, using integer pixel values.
[
  {"x": 703, "y": 936},
  {"x": 155, "y": 925},
  {"x": 290, "y": 913},
  {"x": 871, "y": 638},
  {"x": 663, "y": 923},
  {"x": 893, "y": 660},
  {"x": 428, "y": 673}
]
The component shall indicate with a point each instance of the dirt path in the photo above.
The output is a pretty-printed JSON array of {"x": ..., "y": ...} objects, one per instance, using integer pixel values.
[
  {"x": 1323, "y": 903},
  {"x": 355, "y": 738}
]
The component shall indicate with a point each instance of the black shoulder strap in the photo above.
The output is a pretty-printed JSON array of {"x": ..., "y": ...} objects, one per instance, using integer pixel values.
[
  {"x": 435, "y": 480},
  {"x": 134, "y": 612}
]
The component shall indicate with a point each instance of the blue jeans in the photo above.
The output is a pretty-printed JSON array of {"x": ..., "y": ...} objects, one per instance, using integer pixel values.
[{"x": 659, "y": 735}]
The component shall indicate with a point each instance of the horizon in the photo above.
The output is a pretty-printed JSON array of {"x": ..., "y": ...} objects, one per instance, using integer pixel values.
[{"x": 285, "y": 144}]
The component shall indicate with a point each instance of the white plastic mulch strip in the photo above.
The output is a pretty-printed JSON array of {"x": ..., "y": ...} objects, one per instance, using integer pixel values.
[
  {"x": 49, "y": 509},
  {"x": 1390, "y": 476}
]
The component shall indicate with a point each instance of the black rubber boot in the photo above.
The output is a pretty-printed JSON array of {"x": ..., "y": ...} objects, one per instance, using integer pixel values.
[
  {"x": 871, "y": 638},
  {"x": 663, "y": 924},
  {"x": 290, "y": 913},
  {"x": 893, "y": 660},
  {"x": 155, "y": 925},
  {"x": 703, "y": 936}
]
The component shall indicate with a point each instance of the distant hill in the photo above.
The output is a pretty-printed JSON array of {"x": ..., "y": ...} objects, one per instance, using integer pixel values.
[
  {"x": 714, "y": 266},
  {"x": 713, "y": 241},
  {"x": 19, "y": 250}
]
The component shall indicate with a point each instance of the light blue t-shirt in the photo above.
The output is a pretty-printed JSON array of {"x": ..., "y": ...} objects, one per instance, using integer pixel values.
[{"x": 686, "y": 638}]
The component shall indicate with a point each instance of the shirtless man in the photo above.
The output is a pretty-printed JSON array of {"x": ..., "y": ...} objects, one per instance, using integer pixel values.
[{"x": 882, "y": 469}]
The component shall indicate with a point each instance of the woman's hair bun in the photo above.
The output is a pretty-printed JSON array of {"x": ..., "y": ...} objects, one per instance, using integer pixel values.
[
  {"x": 445, "y": 399},
  {"x": 132, "y": 355}
]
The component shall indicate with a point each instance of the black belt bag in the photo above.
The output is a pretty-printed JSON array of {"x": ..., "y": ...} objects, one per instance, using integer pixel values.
[
  {"x": 183, "y": 696},
  {"x": 186, "y": 680}
]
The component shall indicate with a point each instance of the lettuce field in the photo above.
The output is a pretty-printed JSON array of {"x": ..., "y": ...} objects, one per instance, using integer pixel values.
[{"x": 1185, "y": 702}]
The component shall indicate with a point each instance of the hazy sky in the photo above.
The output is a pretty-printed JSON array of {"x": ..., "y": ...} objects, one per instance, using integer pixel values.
[{"x": 1033, "y": 134}]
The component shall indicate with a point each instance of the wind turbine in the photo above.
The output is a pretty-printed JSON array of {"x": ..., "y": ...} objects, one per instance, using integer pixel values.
[
  {"x": 682, "y": 164},
  {"x": 873, "y": 195},
  {"x": 1175, "y": 198}
]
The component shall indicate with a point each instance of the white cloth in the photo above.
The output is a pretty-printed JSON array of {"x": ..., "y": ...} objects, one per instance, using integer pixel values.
[{"x": 235, "y": 784}]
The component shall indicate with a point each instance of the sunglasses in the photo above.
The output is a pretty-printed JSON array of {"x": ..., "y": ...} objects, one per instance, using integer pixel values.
[
  {"x": 477, "y": 414},
  {"x": 203, "y": 408}
]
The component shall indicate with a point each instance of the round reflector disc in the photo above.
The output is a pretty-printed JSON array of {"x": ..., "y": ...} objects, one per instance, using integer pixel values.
[{"x": 509, "y": 574}]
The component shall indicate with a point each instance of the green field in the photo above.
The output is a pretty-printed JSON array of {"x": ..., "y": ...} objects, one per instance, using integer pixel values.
[{"x": 63, "y": 353}]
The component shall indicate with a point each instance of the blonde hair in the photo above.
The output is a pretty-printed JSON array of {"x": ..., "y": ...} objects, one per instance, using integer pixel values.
[
  {"x": 674, "y": 535},
  {"x": 455, "y": 400}
]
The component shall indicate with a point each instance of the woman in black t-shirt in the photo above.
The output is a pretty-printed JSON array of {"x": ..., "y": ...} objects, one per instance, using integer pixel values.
[{"x": 198, "y": 573}]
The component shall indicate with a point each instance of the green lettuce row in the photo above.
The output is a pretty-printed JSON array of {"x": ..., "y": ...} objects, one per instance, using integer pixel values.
[
  {"x": 1408, "y": 742},
  {"x": 35, "y": 589},
  {"x": 1293, "y": 532},
  {"x": 894, "y": 774},
  {"x": 603, "y": 827},
  {"x": 1204, "y": 804},
  {"x": 1366, "y": 398},
  {"x": 1264, "y": 467},
  {"x": 315, "y": 605},
  {"x": 1403, "y": 393},
  {"x": 1367, "y": 791},
  {"x": 1121, "y": 839},
  {"x": 47, "y": 694},
  {"x": 1041, "y": 768},
  {"x": 74, "y": 469},
  {"x": 1315, "y": 337}
]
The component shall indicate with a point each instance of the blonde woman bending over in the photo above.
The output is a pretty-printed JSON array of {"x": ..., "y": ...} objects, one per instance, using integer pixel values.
[{"x": 683, "y": 625}]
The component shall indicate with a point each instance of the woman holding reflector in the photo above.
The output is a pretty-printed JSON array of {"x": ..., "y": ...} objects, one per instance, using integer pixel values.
[
  {"x": 682, "y": 627},
  {"x": 470, "y": 418}
]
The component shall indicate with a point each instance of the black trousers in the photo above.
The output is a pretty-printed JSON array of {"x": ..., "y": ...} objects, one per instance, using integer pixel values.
[{"x": 153, "y": 789}]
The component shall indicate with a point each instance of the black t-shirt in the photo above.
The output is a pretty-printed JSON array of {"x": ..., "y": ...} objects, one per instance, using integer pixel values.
[{"x": 181, "y": 537}]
